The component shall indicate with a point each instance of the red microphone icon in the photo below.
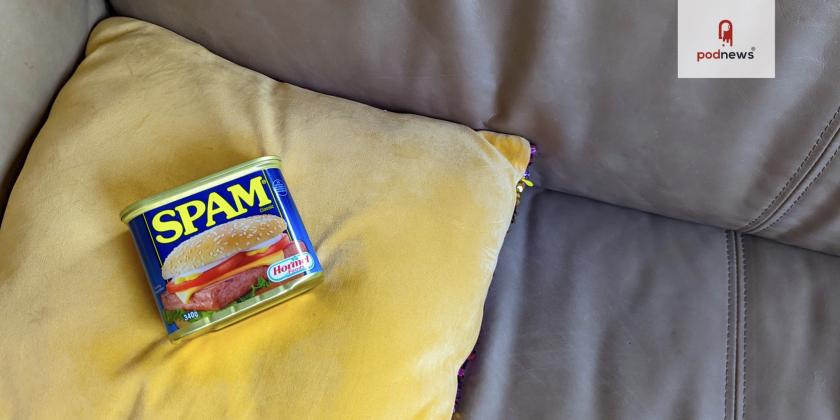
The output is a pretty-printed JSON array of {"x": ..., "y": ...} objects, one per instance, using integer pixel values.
[{"x": 725, "y": 31}]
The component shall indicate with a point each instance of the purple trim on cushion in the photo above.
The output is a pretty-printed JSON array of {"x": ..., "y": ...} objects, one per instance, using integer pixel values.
[{"x": 462, "y": 373}]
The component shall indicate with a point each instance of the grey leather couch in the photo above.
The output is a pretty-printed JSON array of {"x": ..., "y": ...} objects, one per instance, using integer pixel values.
[{"x": 679, "y": 259}]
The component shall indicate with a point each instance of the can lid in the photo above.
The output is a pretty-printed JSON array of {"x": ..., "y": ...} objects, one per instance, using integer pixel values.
[{"x": 192, "y": 187}]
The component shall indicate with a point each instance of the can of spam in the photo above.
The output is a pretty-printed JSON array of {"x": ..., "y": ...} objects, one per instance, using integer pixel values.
[{"x": 222, "y": 248}]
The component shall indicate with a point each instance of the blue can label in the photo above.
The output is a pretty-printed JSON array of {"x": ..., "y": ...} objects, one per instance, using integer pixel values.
[{"x": 223, "y": 248}]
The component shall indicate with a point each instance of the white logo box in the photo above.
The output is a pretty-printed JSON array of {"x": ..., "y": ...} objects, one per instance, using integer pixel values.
[{"x": 705, "y": 29}]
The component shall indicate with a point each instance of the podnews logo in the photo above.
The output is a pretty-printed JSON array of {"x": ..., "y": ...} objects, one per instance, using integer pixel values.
[
  {"x": 725, "y": 39},
  {"x": 726, "y": 35}
]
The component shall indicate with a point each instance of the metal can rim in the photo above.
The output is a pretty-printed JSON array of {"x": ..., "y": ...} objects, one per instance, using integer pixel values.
[
  {"x": 139, "y": 207},
  {"x": 300, "y": 287}
]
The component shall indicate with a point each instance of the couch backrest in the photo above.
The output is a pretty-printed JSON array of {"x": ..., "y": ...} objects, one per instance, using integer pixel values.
[
  {"x": 593, "y": 83},
  {"x": 40, "y": 44}
]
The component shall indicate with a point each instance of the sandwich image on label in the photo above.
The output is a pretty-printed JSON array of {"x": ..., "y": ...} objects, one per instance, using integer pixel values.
[{"x": 225, "y": 263}]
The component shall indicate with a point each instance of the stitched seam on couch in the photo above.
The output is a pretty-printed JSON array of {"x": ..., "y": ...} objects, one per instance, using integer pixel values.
[
  {"x": 727, "y": 383},
  {"x": 735, "y": 370},
  {"x": 795, "y": 180},
  {"x": 744, "y": 324},
  {"x": 804, "y": 191}
]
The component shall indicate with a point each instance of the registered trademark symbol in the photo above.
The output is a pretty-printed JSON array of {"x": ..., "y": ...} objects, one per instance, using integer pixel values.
[{"x": 753, "y": 48}]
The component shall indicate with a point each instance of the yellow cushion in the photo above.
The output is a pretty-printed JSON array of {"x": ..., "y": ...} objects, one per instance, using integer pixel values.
[{"x": 407, "y": 214}]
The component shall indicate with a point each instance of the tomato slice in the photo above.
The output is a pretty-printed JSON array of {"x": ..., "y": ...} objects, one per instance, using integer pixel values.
[
  {"x": 227, "y": 265},
  {"x": 278, "y": 246}
]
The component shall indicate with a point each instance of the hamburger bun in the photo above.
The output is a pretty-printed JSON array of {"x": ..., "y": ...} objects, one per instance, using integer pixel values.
[{"x": 221, "y": 242}]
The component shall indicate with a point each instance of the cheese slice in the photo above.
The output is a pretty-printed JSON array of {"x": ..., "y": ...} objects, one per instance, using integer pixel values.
[
  {"x": 185, "y": 295},
  {"x": 180, "y": 280},
  {"x": 257, "y": 251}
]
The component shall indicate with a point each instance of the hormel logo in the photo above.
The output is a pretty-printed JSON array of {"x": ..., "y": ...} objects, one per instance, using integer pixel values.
[
  {"x": 725, "y": 32},
  {"x": 284, "y": 269}
]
